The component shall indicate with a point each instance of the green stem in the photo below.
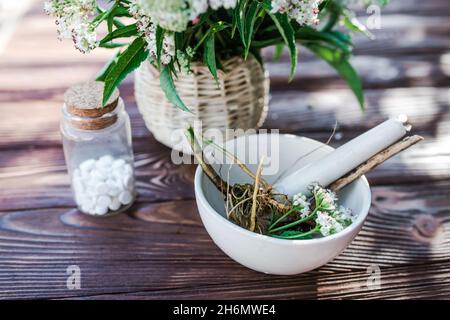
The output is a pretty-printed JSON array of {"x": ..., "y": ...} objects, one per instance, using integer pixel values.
[
  {"x": 283, "y": 217},
  {"x": 202, "y": 40},
  {"x": 302, "y": 235},
  {"x": 293, "y": 224}
]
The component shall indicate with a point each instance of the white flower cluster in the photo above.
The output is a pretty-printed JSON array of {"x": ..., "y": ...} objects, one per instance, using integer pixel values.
[
  {"x": 148, "y": 29},
  {"x": 171, "y": 15},
  {"x": 174, "y": 15},
  {"x": 344, "y": 216},
  {"x": 330, "y": 218},
  {"x": 73, "y": 20},
  {"x": 305, "y": 12},
  {"x": 335, "y": 221},
  {"x": 184, "y": 60},
  {"x": 328, "y": 224},
  {"x": 324, "y": 198},
  {"x": 299, "y": 200},
  {"x": 216, "y": 4}
]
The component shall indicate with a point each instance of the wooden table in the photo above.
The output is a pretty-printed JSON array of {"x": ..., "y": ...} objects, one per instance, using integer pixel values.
[{"x": 159, "y": 249}]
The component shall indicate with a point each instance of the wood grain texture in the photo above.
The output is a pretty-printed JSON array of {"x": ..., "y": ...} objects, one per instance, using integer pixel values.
[
  {"x": 172, "y": 256},
  {"x": 159, "y": 249}
]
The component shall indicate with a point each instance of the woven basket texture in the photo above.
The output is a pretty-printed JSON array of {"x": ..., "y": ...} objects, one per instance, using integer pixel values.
[{"x": 238, "y": 100}]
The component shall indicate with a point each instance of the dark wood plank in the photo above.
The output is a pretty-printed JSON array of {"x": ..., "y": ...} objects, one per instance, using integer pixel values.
[
  {"x": 290, "y": 110},
  {"x": 172, "y": 256},
  {"x": 160, "y": 243},
  {"x": 43, "y": 181}
]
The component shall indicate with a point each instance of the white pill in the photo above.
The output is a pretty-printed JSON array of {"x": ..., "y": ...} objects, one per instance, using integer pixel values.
[
  {"x": 87, "y": 204},
  {"x": 117, "y": 175},
  {"x": 87, "y": 209},
  {"x": 127, "y": 168},
  {"x": 125, "y": 197},
  {"x": 110, "y": 181},
  {"x": 128, "y": 182},
  {"x": 103, "y": 201},
  {"x": 101, "y": 188},
  {"x": 100, "y": 210},
  {"x": 85, "y": 175},
  {"x": 112, "y": 185},
  {"x": 115, "y": 204},
  {"x": 105, "y": 161},
  {"x": 114, "y": 191},
  {"x": 99, "y": 174},
  {"x": 118, "y": 163},
  {"x": 87, "y": 165}
]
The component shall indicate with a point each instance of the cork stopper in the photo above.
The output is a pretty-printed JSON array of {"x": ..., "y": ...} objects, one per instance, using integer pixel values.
[{"x": 84, "y": 101}]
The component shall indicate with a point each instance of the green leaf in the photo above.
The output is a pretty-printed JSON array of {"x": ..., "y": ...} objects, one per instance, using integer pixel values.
[
  {"x": 125, "y": 32},
  {"x": 279, "y": 48},
  {"x": 240, "y": 19},
  {"x": 100, "y": 17},
  {"x": 159, "y": 43},
  {"x": 112, "y": 45},
  {"x": 121, "y": 11},
  {"x": 118, "y": 23},
  {"x": 168, "y": 88},
  {"x": 293, "y": 234},
  {"x": 343, "y": 67},
  {"x": 101, "y": 76},
  {"x": 217, "y": 27},
  {"x": 126, "y": 63},
  {"x": 288, "y": 35},
  {"x": 334, "y": 10},
  {"x": 249, "y": 25},
  {"x": 235, "y": 18},
  {"x": 352, "y": 23},
  {"x": 335, "y": 38},
  {"x": 110, "y": 23},
  {"x": 209, "y": 55}
]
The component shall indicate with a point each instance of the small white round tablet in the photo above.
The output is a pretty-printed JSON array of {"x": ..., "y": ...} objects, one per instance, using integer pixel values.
[
  {"x": 103, "y": 184},
  {"x": 114, "y": 191},
  {"x": 101, "y": 188},
  {"x": 87, "y": 204},
  {"x": 115, "y": 204},
  {"x": 128, "y": 181},
  {"x": 103, "y": 201},
  {"x": 87, "y": 165},
  {"x": 127, "y": 168},
  {"x": 118, "y": 163},
  {"x": 117, "y": 175},
  {"x": 99, "y": 174},
  {"x": 105, "y": 161},
  {"x": 125, "y": 197},
  {"x": 100, "y": 210}
]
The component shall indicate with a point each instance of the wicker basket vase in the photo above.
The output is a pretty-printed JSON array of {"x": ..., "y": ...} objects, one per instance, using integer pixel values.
[{"x": 238, "y": 101}]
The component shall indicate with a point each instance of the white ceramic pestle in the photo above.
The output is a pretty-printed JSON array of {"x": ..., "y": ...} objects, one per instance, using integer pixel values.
[{"x": 345, "y": 158}]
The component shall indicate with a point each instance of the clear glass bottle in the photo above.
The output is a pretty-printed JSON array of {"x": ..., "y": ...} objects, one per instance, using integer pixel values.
[{"x": 98, "y": 150}]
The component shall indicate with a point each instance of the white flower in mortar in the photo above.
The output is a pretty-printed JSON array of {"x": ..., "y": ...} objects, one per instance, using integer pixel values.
[
  {"x": 299, "y": 200},
  {"x": 327, "y": 224},
  {"x": 324, "y": 198}
]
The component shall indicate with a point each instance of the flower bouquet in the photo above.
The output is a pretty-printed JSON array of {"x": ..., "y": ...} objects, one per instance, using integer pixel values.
[{"x": 204, "y": 56}]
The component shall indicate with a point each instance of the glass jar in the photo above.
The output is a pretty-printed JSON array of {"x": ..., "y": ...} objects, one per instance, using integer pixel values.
[{"x": 98, "y": 150}]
